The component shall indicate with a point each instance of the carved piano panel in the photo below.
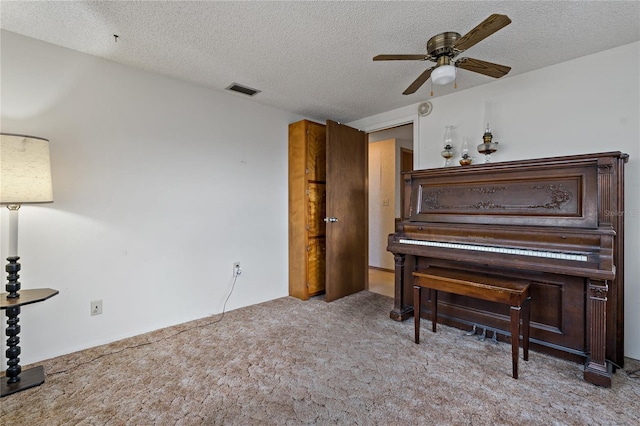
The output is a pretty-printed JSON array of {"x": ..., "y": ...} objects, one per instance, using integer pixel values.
[
  {"x": 549, "y": 220},
  {"x": 554, "y": 198}
]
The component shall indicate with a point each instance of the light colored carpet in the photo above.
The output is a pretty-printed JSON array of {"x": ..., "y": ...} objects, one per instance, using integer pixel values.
[{"x": 289, "y": 362}]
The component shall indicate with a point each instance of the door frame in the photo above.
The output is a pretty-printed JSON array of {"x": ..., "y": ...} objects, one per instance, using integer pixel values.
[{"x": 400, "y": 121}]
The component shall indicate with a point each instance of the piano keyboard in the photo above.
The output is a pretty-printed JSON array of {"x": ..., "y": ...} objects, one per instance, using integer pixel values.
[{"x": 505, "y": 250}]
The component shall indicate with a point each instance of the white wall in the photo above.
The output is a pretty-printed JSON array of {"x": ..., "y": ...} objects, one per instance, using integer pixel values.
[
  {"x": 566, "y": 109},
  {"x": 159, "y": 186}
]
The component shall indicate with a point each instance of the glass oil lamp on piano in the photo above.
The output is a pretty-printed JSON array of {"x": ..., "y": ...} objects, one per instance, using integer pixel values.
[
  {"x": 466, "y": 159},
  {"x": 447, "y": 151},
  {"x": 488, "y": 147}
]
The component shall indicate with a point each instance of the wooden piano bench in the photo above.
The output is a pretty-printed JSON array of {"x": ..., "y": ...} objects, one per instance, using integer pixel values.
[{"x": 495, "y": 288}]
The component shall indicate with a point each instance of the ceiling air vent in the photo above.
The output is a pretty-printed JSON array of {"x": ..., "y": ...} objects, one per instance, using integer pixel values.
[{"x": 235, "y": 87}]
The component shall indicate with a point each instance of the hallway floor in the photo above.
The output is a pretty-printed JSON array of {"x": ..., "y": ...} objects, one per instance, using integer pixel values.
[{"x": 381, "y": 282}]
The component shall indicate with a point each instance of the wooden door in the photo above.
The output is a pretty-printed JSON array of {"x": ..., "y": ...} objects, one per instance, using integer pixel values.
[
  {"x": 406, "y": 160},
  {"x": 347, "y": 201}
]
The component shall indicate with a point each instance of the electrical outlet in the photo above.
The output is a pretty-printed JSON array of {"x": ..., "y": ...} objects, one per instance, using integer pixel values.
[
  {"x": 96, "y": 307},
  {"x": 236, "y": 269}
]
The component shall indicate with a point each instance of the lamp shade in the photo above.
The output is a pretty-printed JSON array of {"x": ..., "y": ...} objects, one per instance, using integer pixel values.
[
  {"x": 25, "y": 170},
  {"x": 443, "y": 74}
]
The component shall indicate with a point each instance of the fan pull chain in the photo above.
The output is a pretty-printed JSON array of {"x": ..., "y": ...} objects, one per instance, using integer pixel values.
[
  {"x": 455, "y": 82},
  {"x": 431, "y": 88}
]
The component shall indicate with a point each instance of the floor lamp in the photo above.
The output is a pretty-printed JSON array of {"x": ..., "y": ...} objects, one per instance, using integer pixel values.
[{"x": 25, "y": 178}]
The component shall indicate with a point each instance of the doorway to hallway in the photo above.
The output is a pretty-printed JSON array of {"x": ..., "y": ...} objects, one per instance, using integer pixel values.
[{"x": 390, "y": 153}]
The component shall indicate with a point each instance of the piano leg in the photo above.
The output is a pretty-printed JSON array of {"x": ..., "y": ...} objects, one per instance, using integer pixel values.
[
  {"x": 417, "y": 299},
  {"x": 515, "y": 338},
  {"x": 401, "y": 309},
  {"x": 526, "y": 317},
  {"x": 595, "y": 370}
]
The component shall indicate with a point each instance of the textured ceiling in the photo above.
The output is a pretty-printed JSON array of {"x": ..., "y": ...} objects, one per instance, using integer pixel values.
[{"x": 315, "y": 58}]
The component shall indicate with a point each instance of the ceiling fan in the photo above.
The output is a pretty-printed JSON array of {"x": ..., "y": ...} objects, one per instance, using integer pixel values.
[{"x": 444, "y": 47}]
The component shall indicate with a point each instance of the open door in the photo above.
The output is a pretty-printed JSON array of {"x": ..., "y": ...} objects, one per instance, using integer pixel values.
[{"x": 346, "y": 206}]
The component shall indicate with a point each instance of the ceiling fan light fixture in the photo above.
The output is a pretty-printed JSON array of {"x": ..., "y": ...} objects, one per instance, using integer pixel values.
[
  {"x": 443, "y": 48},
  {"x": 444, "y": 74}
]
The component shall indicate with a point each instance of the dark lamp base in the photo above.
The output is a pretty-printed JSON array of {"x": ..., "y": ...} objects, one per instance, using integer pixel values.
[{"x": 28, "y": 379}]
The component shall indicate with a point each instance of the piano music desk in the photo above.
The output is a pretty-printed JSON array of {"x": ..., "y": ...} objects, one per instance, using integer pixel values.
[{"x": 509, "y": 291}]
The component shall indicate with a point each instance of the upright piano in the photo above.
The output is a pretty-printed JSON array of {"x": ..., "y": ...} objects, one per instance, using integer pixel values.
[{"x": 558, "y": 222}]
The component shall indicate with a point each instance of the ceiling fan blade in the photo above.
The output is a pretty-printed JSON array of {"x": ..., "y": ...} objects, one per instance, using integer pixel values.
[
  {"x": 483, "y": 30},
  {"x": 483, "y": 67},
  {"x": 418, "y": 82},
  {"x": 422, "y": 57}
]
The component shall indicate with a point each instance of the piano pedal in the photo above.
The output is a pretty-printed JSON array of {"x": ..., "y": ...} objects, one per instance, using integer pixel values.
[
  {"x": 494, "y": 339},
  {"x": 472, "y": 332},
  {"x": 483, "y": 336}
]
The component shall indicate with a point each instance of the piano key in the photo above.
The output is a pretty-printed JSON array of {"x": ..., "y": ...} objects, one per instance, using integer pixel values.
[{"x": 493, "y": 249}]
